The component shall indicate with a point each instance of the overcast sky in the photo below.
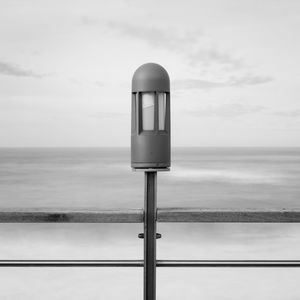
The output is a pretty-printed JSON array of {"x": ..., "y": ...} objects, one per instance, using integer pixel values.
[{"x": 66, "y": 68}]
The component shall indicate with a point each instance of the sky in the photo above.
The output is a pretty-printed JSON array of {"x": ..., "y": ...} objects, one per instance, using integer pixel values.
[{"x": 66, "y": 69}]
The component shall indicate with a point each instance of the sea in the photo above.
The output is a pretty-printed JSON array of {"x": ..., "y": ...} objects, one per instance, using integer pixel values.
[{"x": 102, "y": 178}]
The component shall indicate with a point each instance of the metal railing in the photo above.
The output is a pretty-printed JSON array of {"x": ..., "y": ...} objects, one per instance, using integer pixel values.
[
  {"x": 150, "y": 215},
  {"x": 163, "y": 215}
]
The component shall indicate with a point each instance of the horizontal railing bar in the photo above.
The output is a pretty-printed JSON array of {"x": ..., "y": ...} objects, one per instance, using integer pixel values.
[
  {"x": 71, "y": 263},
  {"x": 244, "y": 215},
  {"x": 159, "y": 263},
  {"x": 67, "y": 215},
  {"x": 229, "y": 263},
  {"x": 164, "y": 215}
]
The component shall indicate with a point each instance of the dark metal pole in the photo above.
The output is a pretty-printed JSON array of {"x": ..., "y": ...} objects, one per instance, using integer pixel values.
[{"x": 150, "y": 236}]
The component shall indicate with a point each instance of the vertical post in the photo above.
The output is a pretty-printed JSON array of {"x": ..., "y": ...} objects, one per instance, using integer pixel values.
[{"x": 150, "y": 236}]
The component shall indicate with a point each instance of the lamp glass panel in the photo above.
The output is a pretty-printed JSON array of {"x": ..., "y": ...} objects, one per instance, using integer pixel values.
[
  {"x": 148, "y": 100},
  {"x": 162, "y": 108}
]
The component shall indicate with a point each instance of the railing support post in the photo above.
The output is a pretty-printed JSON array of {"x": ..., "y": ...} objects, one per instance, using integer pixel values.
[{"x": 150, "y": 236}]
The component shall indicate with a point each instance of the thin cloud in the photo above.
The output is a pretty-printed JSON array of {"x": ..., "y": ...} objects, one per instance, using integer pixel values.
[
  {"x": 86, "y": 20},
  {"x": 233, "y": 81},
  {"x": 182, "y": 84},
  {"x": 186, "y": 43},
  {"x": 189, "y": 44},
  {"x": 10, "y": 69},
  {"x": 227, "y": 111},
  {"x": 293, "y": 113},
  {"x": 170, "y": 40},
  {"x": 249, "y": 80},
  {"x": 213, "y": 55}
]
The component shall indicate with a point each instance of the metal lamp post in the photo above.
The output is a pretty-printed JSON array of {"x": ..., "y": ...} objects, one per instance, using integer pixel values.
[
  {"x": 150, "y": 152},
  {"x": 150, "y": 123}
]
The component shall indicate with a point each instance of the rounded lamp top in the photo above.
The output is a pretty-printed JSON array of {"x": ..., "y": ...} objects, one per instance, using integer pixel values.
[{"x": 150, "y": 77}]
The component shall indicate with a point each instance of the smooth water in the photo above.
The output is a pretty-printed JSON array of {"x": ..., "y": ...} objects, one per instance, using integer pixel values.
[
  {"x": 210, "y": 177},
  {"x": 101, "y": 177}
]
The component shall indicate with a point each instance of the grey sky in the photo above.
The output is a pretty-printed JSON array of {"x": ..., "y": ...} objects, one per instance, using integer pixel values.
[{"x": 66, "y": 67}]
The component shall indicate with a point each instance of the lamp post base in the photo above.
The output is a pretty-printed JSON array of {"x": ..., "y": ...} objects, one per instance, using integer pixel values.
[{"x": 150, "y": 169}]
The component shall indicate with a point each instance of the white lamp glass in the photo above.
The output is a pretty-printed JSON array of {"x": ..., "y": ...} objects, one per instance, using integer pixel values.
[
  {"x": 162, "y": 105},
  {"x": 148, "y": 100}
]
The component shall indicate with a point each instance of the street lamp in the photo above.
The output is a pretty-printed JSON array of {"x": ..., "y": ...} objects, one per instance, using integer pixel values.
[
  {"x": 150, "y": 152},
  {"x": 150, "y": 122}
]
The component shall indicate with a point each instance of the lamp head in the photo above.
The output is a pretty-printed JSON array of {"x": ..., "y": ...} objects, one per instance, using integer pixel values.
[{"x": 150, "y": 77}]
